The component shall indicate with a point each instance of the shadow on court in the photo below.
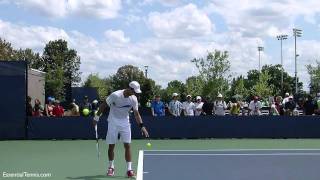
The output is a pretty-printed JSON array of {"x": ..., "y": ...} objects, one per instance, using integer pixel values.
[{"x": 95, "y": 177}]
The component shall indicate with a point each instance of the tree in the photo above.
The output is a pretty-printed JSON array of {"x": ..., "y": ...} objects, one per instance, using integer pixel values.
[
  {"x": 57, "y": 56},
  {"x": 6, "y": 50},
  {"x": 55, "y": 82},
  {"x": 33, "y": 59},
  {"x": 274, "y": 72},
  {"x": 262, "y": 88},
  {"x": 252, "y": 78},
  {"x": 215, "y": 66},
  {"x": 275, "y": 79},
  {"x": 314, "y": 73},
  {"x": 174, "y": 86},
  {"x": 125, "y": 75},
  {"x": 103, "y": 86},
  {"x": 214, "y": 70},
  {"x": 238, "y": 88},
  {"x": 194, "y": 85},
  {"x": 128, "y": 73}
]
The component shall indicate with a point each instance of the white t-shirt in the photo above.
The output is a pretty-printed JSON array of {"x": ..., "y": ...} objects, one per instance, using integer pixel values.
[
  {"x": 120, "y": 107},
  {"x": 219, "y": 108},
  {"x": 255, "y": 108},
  {"x": 175, "y": 107},
  {"x": 198, "y": 108},
  {"x": 189, "y": 108},
  {"x": 285, "y": 100}
]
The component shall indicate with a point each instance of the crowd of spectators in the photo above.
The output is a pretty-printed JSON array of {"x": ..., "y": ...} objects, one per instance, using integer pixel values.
[
  {"x": 190, "y": 107},
  {"x": 219, "y": 107},
  {"x": 53, "y": 108}
]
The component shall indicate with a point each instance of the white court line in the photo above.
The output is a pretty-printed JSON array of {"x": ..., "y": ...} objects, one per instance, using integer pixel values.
[
  {"x": 239, "y": 154},
  {"x": 206, "y": 150},
  {"x": 140, "y": 166}
]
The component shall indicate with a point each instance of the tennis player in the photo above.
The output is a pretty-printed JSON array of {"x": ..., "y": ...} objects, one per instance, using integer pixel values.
[{"x": 120, "y": 103}]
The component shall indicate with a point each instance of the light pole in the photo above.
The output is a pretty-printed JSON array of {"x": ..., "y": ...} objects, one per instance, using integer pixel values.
[
  {"x": 146, "y": 71},
  {"x": 260, "y": 48},
  {"x": 296, "y": 33},
  {"x": 281, "y": 38}
]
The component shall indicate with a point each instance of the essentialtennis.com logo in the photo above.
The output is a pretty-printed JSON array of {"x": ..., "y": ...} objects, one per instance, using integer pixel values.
[{"x": 25, "y": 175}]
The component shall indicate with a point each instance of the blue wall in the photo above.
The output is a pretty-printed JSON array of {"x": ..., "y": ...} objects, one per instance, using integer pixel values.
[
  {"x": 184, "y": 127},
  {"x": 13, "y": 99}
]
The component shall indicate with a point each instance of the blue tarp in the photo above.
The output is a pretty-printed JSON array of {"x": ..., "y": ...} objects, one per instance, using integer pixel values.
[
  {"x": 184, "y": 127},
  {"x": 13, "y": 99}
]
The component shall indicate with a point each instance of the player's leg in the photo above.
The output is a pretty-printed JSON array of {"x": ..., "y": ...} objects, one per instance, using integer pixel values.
[
  {"x": 111, "y": 155},
  {"x": 112, "y": 136},
  {"x": 125, "y": 134},
  {"x": 127, "y": 152}
]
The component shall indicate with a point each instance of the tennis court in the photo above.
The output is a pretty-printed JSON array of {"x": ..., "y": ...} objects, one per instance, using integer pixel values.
[
  {"x": 238, "y": 164},
  {"x": 77, "y": 159}
]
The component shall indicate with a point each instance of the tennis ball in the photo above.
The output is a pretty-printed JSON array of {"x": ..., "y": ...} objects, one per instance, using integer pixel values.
[
  {"x": 85, "y": 112},
  {"x": 149, "y": 145}
]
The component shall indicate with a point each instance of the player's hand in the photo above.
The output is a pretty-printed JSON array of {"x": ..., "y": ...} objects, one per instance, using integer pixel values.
[{"x": 144, "y": 132}]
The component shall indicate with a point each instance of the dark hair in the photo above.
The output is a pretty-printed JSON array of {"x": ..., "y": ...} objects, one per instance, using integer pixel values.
[{"x": 28, "y": 98}]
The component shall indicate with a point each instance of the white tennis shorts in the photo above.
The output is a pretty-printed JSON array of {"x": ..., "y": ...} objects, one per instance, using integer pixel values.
[{"x": 115, "y": 130}]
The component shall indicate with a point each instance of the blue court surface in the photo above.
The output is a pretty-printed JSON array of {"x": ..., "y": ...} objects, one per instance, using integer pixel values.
[{"x": 259, "y": 164}]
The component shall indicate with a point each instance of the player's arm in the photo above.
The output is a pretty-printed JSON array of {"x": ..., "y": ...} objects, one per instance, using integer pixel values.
[
  {"x": 140, "y": 123},
  {"x": 152, "y": 111},
  {"x": 138, "y": 117},
  {"x": 102, "y": 108}
]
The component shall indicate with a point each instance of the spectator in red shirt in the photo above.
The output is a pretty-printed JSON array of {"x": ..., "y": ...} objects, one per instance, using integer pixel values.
[{"x": 58, "y": 110}]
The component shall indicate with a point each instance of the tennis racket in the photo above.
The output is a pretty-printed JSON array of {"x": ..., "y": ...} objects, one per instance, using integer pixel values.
[{"x": 97, "y": 141}]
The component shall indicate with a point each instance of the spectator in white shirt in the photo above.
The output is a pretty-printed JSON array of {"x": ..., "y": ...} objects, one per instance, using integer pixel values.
[
  {"x": 188, "y": 106},
  {"x": 219, "y": 106},
  {"x": 198, "y": 106},
  {"x": 255, "y": 107},
  {"x": 175, "y": 106},
  {"x": 285, "y": 99}
]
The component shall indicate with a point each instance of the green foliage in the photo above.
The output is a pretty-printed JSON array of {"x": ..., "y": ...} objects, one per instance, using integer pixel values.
[
  {"x": 275, "y": 79},
  {"x": 175, "y": 86},
  {"x": 314, "y": 72},
  {"x": 194, "y": 86},
  {"x": 103, "y": 86},
  {"x": 55, "y": 83},
  {"x": 128, "y": 73},
  {"x": 33, "y": 59},
  {"x": 57, "y": 56},
  {"x": 6, "y": 50},
  {"x": 238, "y": 88},
  {"x": 215, "y": 66},
  {"x": 262, "y": 88},
  {"x": 125, "y": 75},
  {"x": 214, "y": 71}
]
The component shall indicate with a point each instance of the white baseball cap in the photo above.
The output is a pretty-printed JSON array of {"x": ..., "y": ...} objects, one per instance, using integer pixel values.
[
  {"x": 188, "y": 95},
  {"x": 135, "y": 86},
  {"x": 198, "y": 98},
  {"x": 219, "y": 95},
  {"x": 175, "y": 94}
]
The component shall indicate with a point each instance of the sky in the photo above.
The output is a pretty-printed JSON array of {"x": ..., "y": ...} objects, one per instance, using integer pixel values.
[{"x": 167, "y": 34}]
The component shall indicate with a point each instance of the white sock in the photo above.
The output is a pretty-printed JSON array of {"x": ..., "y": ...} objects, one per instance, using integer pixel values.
[
  {"x": 111, "y": 164},
  {"x": 129, "y": 166}
]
